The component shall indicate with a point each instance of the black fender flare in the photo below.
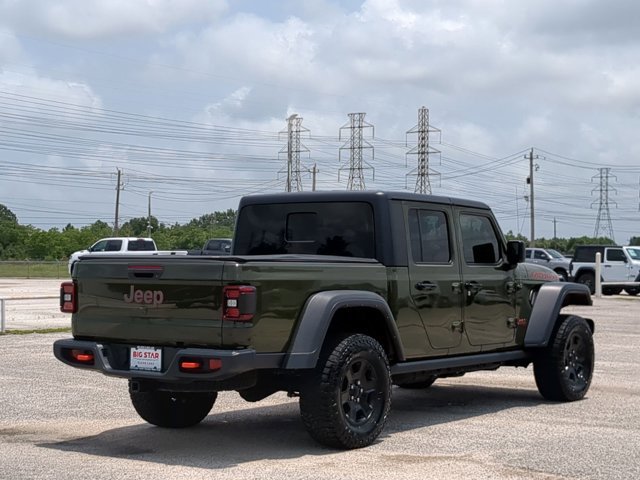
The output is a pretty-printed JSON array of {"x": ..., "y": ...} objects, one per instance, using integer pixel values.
[
  {"x": 546, "y": 308},
  {"x": 582, "y": 270},
  {"x": 316, "y": 318}
]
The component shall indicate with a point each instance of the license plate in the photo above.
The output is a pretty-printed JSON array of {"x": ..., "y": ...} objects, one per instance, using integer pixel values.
[{"x": 146, "y": 358}]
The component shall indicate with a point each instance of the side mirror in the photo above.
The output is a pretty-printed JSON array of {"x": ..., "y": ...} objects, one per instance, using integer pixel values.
[{"x": 515, "y": 252}]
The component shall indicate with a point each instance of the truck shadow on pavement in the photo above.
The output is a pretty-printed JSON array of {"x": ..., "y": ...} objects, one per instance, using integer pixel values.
[{"x": 235, "y": 437}]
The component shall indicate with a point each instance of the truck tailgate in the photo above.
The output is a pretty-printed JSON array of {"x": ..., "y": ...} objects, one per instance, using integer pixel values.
[{"x": 153, "y": 301}]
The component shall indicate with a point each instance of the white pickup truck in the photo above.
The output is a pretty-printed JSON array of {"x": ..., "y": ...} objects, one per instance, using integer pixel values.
[{"x": 122, "y": 246}]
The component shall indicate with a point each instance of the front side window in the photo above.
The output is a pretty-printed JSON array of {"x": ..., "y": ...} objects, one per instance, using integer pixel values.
[
  {"x": 429, "y": 236},
  {"x": 479, "y": 240},
  {"x": 99, "y": 246},
  {"x": 540, "y": 255},
  {"x": 616, "y": 255}
]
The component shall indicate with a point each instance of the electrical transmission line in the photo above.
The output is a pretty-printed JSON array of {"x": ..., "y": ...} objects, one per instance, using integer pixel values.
[
  {"x": 603, "y": 221},
  {"x": 355, "y": 145},
  {"x": 423, "y": 150},
  {"x": 293, "y": 149}
]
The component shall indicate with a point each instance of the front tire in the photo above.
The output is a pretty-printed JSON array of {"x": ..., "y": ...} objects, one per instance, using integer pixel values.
[
  {"x": 564, "y": 369},
  {"x": 173, "y": 409},
  {"x": 346, "y": 402},
  {"x": 633, "y": 291}
]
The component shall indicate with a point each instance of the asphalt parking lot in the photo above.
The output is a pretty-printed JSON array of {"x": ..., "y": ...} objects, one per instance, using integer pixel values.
[{"x": 58, "y": 422}]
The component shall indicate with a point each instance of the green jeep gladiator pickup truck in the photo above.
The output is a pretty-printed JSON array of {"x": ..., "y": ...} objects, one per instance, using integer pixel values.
[{"x": 332, "y": 296}]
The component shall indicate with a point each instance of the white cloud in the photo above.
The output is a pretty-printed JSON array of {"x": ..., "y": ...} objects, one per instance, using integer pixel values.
[{"x": 106, "y": 18}]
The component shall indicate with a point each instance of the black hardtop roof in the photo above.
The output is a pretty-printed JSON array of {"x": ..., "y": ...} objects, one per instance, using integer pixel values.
[{"x": 371, "y": 196}]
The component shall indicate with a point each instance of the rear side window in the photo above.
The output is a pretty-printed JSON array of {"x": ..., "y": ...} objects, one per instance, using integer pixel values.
[
  {"x": 141, "y": 245},
  {"x": 479, "y": 240},
  {"x": 429, "y": 236},
  {"x": 338, "y": 228}
]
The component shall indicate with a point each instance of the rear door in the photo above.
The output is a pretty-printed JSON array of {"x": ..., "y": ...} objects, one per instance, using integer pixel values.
[
  {"x": 489, "y": 290},
  {"x": 434, "y": 272}
]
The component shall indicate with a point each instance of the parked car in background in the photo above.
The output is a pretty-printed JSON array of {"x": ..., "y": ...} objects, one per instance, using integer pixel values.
[
  {"x": 214, "y": 246},
  {"x": 550, "y": 258},
  {"x": 618, "y": 268},
  {"x": 121, "y": 246}
]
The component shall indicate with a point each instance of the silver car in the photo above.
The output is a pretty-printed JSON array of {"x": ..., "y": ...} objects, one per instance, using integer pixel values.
[{"x": 549, "y": 258}]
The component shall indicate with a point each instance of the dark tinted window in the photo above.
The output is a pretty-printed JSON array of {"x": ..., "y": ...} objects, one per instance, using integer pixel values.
[
  {"x": 540, "y": 255},
  {"x": 479, "y": 240},
  {"x": 587, "y": 253},
  {"x": 616, "y": 255},
  {"x": 113, "y": 246},
  {"x": 141, "y": 245},
  {"x": 429, "y": 236},
  {"x": 340, "y": 228}
]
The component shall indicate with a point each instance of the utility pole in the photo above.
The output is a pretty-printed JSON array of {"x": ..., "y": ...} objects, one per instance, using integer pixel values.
[
  {"x": 532, "y": 242},
  {"x": 355, "y": 145},
  {"x": 603, "y": 222},
  {"x": 149, "y": 217},
  {"x": 293, "y": 149},
  {"x": 118, "y": 186},
  {"x": 554, "y": 228},
  {"x": 423, "y": 150},
  {"x": 314, "y": 174}
]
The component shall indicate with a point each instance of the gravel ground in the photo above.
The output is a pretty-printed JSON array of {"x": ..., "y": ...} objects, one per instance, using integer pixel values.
[{"x": 59, "y": 422}]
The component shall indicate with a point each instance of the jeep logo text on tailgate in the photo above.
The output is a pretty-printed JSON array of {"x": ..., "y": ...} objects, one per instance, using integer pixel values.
[{"x": 149, "y": 297}]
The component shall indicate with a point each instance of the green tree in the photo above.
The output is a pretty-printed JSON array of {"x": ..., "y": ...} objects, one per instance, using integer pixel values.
[
  {"x": 634, "y": 241},
  {"x": 7, "y": 215}
]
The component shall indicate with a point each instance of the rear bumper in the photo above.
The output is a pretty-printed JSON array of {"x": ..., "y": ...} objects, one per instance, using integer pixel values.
[{"x": 113, "y": 359}]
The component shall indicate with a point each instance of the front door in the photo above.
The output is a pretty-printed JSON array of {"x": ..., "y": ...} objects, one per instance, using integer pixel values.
[
  {"x": 489, "y": 289},
  {"x": 434, "y": 273}
]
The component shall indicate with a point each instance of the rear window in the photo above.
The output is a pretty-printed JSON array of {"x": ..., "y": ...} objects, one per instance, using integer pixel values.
[
  {"x": 337, "y": 228},
  {"x": 141, "y": 245}
]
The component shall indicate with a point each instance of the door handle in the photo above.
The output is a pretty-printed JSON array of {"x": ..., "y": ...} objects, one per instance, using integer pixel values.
[
  {"x": 426, "y": 286},
  {"x": 473, "y": 287}
]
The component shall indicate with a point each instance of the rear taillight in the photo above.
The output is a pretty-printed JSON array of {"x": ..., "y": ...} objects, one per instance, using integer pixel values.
[
  {"x": 239, "y": 303},
  {"x": 68, "y": 297}
]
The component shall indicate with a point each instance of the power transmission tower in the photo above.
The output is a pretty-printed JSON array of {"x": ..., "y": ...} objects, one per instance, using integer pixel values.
[
  {"x": 355, "y": 145},
  {"x": 423, "y": 150},
  {"x": 119, "y": 187},
  {"x": 293, "y": 149},
  {"x": 603, "y": 222}
]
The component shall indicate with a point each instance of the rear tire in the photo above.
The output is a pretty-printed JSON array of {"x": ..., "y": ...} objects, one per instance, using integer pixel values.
[
  {"x": 633, "y": 291},
  {"x": 173, "y": 409},
  {"x": 589, "y": 280},
  {"x": 346, "y": 402},
  {"x": 564, "y": 369}
]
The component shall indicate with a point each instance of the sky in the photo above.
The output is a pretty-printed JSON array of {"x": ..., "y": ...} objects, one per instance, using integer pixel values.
[{"x": 190, "y": 100}]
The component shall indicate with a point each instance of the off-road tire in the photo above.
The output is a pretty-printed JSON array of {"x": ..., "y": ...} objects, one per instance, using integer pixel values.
[
  {"x": 564, "y": 369},
  {"x": 588, "y": 279},
  {"x": 421, "y": 385},
  {"x": 346, "y": 402},
  {"x": 611, "y": 290},
  {"x": 173, "y": 409},
  {"x": 633, "y": 291}
]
